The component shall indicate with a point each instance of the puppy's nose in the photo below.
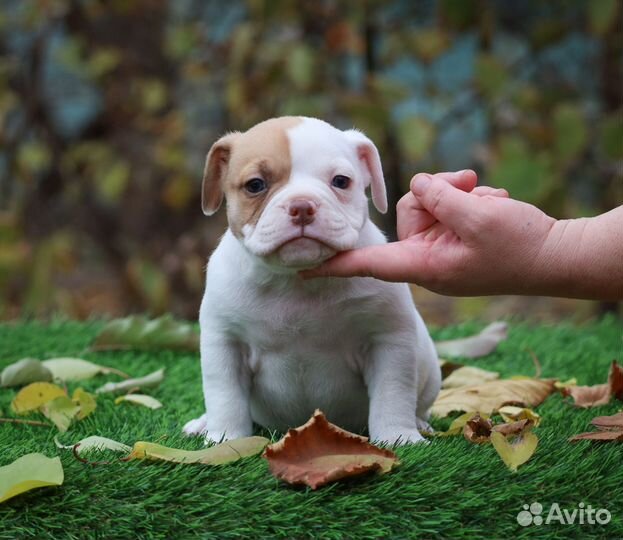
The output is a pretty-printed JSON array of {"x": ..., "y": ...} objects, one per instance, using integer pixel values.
[{"x": 302, "y": 211}]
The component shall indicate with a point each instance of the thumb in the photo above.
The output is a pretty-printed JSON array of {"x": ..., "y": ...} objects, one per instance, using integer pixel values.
[
  {"x": 386, "y": 262},
  {"x": 449, "y": 205}
]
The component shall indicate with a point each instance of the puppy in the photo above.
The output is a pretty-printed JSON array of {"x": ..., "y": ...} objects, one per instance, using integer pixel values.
[{"x": 275, "y": 347}]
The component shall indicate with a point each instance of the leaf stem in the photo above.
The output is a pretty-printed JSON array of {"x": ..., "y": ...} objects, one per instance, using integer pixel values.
[{"x": 29, "y": 422}]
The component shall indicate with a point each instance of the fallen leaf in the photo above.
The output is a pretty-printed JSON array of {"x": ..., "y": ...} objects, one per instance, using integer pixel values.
[
  {"x": 477, "y": 429},
  {"x": 319, "y": 452},
  {"x": 490, "y": 396},
  {"x": 94, "y": 442},
  {"x": 137, "y": 332},
  {"x": 77, "y": 369},
  {"x": 481, "y": 344},
  {"x": 598, "y": 394},
  {"x": 85, "y": 401},
  {"x": 516, "y": 453},
  {"x": 510, "y": 413},
  {"x": 34, "y": 395},
  {"x": 468, "y": 376},
  {"x": 447, "y": 367},
  {"x": 61, "y": 411},
  {"x": 610, "y": 429},
  {"x": 599, "y": 436},
  {"x": 226, "y": 452},
  {"x": 458, "y": 423},
  {"x": 148, "y": 381},
  {"x": 614, "y": 421},
  {"x": 140, "y": 399},
  {"x": 24, "y": 371},
  {"x": 29, "y": 472},
  {"x": 513, "y": 428},
  {"x": 565, "y": 384}
]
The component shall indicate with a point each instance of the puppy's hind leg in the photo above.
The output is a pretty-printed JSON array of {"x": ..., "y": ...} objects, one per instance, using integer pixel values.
[{"x": 428, "y": 393}]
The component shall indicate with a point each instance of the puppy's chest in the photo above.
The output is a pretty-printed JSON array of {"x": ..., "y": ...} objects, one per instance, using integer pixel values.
[{"x": 291, "y": 333}]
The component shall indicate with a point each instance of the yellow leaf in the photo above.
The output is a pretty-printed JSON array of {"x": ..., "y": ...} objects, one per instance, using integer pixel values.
[
  {"x": 456, "y": 427},
  {"x": 516, "y": 453},
  {"x": 220, "y": 454},
  {"x": 468, "y": 376},
  {"x": 566, "y": 384},
  {"x": 510, "y": 413},
  {"x": 34, "y": 395},
  {"x": 61, "y": 411},
  {"x": 490, "y": 396},
  {"x": 29, "y": 472},
  {"x": 85, "y": 401},
  {"x": 140, "y": 399}
]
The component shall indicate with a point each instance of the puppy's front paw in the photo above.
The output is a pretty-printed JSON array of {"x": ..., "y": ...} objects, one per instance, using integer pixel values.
[
  {"x": 199, "y": 426},
  {"x": 218, "y": 436},
  {"x": 196, "y": 426},
  {"x": 423, "y": 425},
  {"x": 400, "y": 437}
]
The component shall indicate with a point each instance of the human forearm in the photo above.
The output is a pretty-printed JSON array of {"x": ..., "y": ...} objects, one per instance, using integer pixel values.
[{"x": 582, "y": 258}]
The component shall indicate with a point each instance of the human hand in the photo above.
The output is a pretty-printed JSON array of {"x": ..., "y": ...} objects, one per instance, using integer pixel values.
[{"x": 454, "y": 238}]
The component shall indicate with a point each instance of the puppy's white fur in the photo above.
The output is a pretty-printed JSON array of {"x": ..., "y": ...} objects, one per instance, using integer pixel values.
[{"x": 275, "y": 347}]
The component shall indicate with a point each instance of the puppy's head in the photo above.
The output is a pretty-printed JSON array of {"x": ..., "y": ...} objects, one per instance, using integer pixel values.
[{"x": 295, "y": 188}]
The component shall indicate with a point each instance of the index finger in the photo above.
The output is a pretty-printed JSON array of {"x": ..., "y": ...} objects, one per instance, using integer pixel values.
[{"x": 389, "y": 262}]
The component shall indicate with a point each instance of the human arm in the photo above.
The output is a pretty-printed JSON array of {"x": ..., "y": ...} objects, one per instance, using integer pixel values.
[{"x": 464, "y": 241}]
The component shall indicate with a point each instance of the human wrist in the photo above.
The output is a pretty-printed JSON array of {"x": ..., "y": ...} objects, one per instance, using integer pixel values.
[{"x": 561, "y": 267}]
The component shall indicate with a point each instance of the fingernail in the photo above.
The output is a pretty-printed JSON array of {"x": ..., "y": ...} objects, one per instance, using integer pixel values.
[{"x": 420, "y": 183}]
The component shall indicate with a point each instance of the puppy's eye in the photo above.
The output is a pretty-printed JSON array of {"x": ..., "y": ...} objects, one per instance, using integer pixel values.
[
  {"x": 255, "y": 186},
  {"x": 340, "y": 181}
]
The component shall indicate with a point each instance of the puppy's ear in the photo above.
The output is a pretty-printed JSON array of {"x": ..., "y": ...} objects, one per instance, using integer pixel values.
[
  {"x": 214, "y": 173},
  {"x": 367, "y": 152}
]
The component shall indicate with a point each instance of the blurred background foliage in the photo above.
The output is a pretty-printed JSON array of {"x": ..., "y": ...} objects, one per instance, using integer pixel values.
[{"x": 108, "y": 107}]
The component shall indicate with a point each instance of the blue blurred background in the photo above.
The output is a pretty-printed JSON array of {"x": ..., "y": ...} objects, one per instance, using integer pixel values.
[{"x": 107, "y": 109}]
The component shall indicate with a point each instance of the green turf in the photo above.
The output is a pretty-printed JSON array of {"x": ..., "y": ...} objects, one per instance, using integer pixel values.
[{"x": 448, "y": 489}]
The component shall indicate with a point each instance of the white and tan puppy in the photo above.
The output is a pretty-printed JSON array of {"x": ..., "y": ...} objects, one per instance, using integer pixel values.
[{"x": 275, "y": 347}]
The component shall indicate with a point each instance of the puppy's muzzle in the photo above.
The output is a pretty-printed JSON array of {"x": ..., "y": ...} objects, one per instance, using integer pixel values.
[{"x": 302, "y": 211}]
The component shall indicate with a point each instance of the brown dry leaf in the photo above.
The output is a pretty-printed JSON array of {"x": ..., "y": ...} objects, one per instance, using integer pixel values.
[
  {"x": 599, "y": 436},
  {"x": 598, "y": 394},
  {"x": 610, "y": 429},
  {"x": 319, "y": 452},
  {"x": 448, "y": 367},
  {"x": 614, "y": 421},
  {"x": 478, "y": 429},
  {"x": 513, "y": 428},
  {"x": 490, "y": 396}
]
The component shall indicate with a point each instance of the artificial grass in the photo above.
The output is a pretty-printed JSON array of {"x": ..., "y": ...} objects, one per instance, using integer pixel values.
[{"x": 448, "y": 489}]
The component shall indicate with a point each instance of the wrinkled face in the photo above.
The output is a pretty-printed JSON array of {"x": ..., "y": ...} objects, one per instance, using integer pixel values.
[{"x": 295, "y": 188}]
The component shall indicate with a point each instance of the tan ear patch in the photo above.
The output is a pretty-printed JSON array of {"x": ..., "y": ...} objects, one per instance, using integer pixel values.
[
  {"x": 215, "y": 168},
  {"x": 263, "y": 151}
]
